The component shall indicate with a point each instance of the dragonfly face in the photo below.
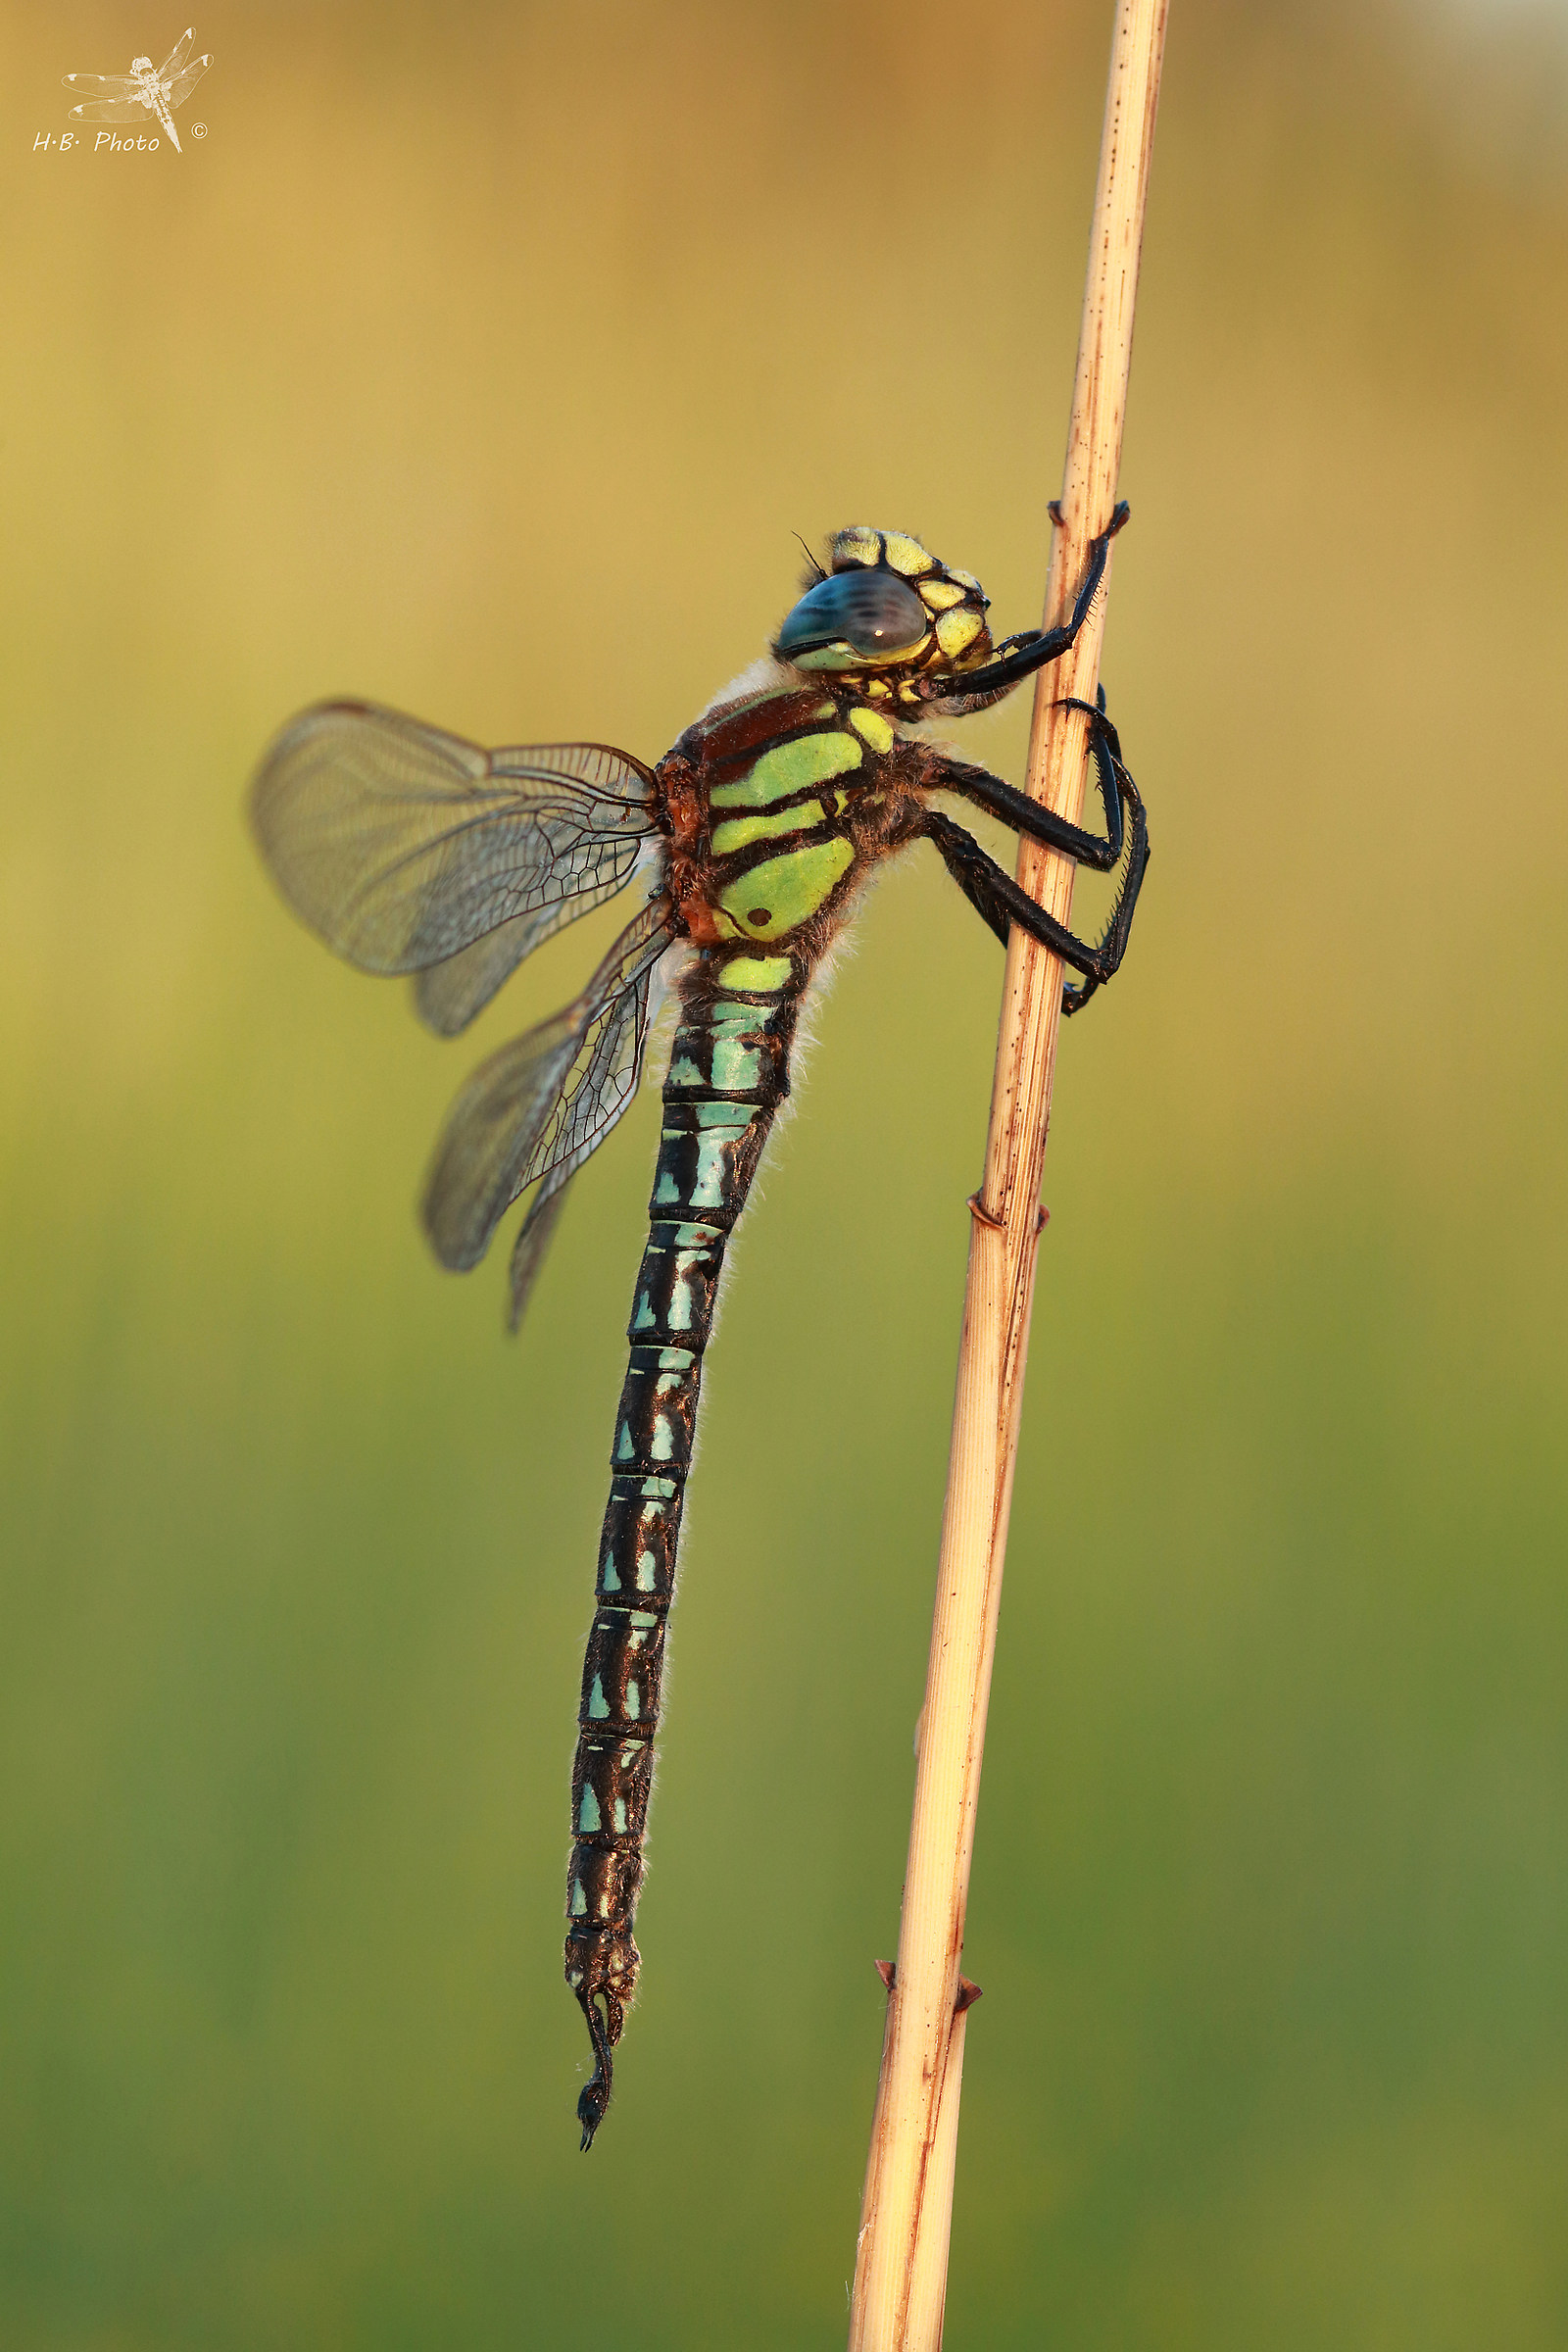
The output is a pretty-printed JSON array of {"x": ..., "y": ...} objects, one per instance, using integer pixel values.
[{"x": 886, "y": 614}]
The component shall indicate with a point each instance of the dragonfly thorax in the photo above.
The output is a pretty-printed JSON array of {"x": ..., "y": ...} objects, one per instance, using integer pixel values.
[{"x": 886, "y": 613}]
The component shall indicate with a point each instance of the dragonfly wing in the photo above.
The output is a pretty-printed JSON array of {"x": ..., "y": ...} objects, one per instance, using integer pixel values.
[
  {"x": 448, "y": 996},
  {"x": 533, "y": 1240},
  {"x": 177, "y": 55},
  {"x": 103, "y": 85},
  {"x": 401, "y": 846},
  {"x": 180, "y": 88},
  {"x": 111, "y": 109},
  {"x": 535, "y": 1110}
]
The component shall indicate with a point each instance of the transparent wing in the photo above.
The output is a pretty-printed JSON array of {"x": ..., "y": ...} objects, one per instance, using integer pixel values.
[
  {"x": 180, "y": 88},
  {"x": 177, "y": 55},
  {"x": 537, "y": 1109},
  {"x": 403, "y": 846},
  {"x": 448, "y": 995},
  {"x": 111, "y": 109},
  {"x": 533, "y": 1240},
  {"x": 103, "y": 85}
]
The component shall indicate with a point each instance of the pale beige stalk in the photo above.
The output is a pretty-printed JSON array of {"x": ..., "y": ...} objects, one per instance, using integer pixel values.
[{"x": 901, "y": 2256}]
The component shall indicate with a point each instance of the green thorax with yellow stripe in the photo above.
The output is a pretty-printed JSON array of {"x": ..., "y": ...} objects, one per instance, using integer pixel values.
[{"x": 781, "y": 777}]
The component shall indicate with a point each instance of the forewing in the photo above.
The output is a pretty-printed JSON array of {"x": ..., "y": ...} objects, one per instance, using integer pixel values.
[
  {"x": 537, "y": 1109},
  {"x": 180, "y": 88},
  {"x": 177, "y": 55},
  {"x": 400, "y": 845}
]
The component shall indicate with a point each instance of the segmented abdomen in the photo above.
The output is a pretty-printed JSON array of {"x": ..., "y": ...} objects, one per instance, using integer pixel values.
[{"x": 728, "y": 1074}]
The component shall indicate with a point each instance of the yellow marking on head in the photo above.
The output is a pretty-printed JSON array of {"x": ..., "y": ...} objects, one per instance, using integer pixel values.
[
  {"x": 878, "y": 687},
  {"x": 907, "y": 555},
  {"x": 957, "y": 630},
  {"x": 966, "y": 579},
  {"x": 874, "y": 727},
  {"x": 857, "y": 545},
  {"x": 939, "y": 596}
]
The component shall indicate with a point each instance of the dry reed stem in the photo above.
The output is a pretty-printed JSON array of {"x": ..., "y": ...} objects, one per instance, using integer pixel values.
[{"x": 905, "y": 2213}]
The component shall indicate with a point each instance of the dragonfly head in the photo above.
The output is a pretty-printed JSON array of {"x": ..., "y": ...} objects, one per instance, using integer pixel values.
[
  {"x": 141, "y": 65},
  {"x": 886, "y": 613}
]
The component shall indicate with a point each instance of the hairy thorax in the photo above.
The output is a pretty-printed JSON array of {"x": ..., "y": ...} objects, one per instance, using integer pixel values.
[{"x": 776, "y": 802}]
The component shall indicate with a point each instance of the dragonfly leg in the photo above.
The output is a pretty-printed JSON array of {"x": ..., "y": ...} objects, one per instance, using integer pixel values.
[
  {"x": 1118, "y": 796},
  {"x": 1021, "y": 656},
  {"x": 1000, "y": 901}
]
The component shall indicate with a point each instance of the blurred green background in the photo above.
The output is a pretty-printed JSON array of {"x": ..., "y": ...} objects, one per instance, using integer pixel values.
[{"x": 485, "y": 362}]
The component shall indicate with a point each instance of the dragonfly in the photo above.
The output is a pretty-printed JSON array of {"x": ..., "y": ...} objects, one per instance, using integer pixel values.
[
  {"x": 410, "y": 851},
  {"x": 147, "y": 89}
]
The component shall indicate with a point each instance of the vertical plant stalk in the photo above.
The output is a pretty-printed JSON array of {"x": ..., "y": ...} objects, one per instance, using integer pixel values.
[{"x": 905, "y": 2211}]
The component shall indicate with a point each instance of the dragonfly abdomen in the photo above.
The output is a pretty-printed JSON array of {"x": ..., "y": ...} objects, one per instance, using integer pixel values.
[{"x": 728, "y": 1074}]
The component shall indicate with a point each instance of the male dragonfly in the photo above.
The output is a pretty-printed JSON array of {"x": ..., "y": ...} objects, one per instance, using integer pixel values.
[
  {"x": 410, "y": 851},
  {"x": 147, "y": 89}
]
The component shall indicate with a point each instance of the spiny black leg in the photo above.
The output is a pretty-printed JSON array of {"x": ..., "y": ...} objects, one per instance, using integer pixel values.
[
  {"x": 1095, "y": 711},
  {"x": 1037, "y": 647},
  {"x": 977, "y": 875},
  {"x": 972, "y": 871},
  {"x": 997, "y": 898},
  {"x": 1113, "y": 939},
  {"x": 1073, "y": 999},
  {"x": 1115, "y": 787},
  {"x": 1024, "y": 816},
  {"x": 1019, "y": 657},
  {"x": 1001, "y": 901}
]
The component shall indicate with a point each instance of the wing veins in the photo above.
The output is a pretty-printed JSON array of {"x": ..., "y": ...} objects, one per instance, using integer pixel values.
[
  {"x": 403, "y": 846},
  {"x": 373, "y": 882},
  {"x": 541, "y": 1105}
]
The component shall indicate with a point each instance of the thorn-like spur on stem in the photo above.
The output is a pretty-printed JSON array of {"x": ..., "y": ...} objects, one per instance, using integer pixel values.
[{"x": 968, "y": 1991}]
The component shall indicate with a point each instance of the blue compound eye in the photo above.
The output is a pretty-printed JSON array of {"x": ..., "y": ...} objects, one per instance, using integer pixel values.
[{"x": 869, "y": 616}]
